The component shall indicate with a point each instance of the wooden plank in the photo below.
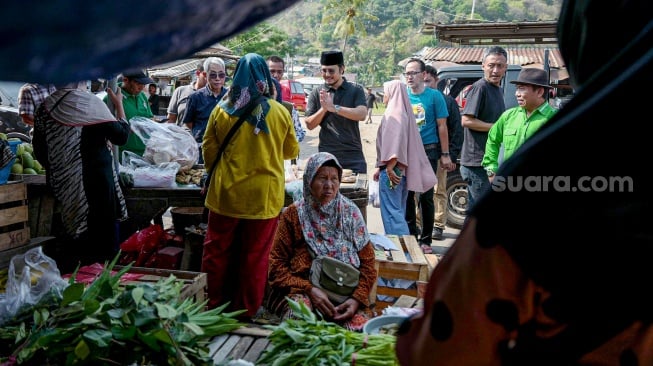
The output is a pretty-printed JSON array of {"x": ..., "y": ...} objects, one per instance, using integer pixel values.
[
  {"x": 6, "y": 255},
  {"x": 13, "y": 215},
  {"x": 240, "y": 349},
  {"x": 252, "y": 331},
  {"x": 255, "y": 351},
  {"x": 396, "y": 292},
  {"x": 432, "y": 261},
  {"x": 226, "y": 348},
  {"x": 405, "y": 301},
  {"x": 216, "y": 343},
  {"x": 13, "y": 191},
  {"x": 14, "y": 239},
  {"x": 414, "y": 250}
]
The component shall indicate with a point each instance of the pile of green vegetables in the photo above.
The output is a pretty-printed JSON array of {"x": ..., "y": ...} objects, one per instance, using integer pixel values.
[
  {"x": 108, "y": 323},
  {"x": 308, "y": 340}
]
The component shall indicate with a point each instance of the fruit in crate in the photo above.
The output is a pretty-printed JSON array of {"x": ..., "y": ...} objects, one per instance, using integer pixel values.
[{"x": 25, "y": 162}]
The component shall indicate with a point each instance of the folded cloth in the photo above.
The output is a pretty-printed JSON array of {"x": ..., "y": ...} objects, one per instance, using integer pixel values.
[{"x": 6, "y": 154}]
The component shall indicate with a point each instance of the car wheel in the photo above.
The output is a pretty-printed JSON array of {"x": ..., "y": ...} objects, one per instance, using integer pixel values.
[{"x": 457, "y": 199}]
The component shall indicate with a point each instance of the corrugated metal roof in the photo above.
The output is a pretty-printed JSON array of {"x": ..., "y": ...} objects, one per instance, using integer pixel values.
[
  {"x": 175, "y": 69},
  {"x": 474, "y": 55}
]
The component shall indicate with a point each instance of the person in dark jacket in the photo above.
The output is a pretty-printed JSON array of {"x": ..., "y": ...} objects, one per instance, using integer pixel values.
[
  {"x": 455, "y": 130},
  {"x": 73, "y": 134}
]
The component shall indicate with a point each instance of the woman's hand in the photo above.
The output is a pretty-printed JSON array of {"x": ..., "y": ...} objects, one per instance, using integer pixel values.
[
  {"x": 394, "y": 178},
  {"x": 346, "y": 310},
  {"x": 321, "y": 303},
  {"x": 375, "y": 176},
  {"x": 116, "y": 99}
]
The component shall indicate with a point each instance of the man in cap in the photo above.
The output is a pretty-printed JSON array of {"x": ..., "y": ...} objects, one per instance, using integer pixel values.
[
  {"x": 337, "y": 107},
  {"x": 135, "y": 103},
  {"x": 519, "y": 123}
]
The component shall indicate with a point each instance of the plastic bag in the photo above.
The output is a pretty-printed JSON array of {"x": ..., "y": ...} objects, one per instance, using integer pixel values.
[
  {"x": 374, "y": 197},
  {"x": 141, "y": 247},
  {"x": 31, "y": 277},
  {"x": 146, "y": 174},
  {"x": 166, "y": 142}
]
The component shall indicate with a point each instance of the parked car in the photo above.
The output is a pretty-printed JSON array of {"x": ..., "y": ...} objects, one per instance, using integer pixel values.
[
  {"x": 10, "y": 122},
  {"x": 292, "y": 91}
]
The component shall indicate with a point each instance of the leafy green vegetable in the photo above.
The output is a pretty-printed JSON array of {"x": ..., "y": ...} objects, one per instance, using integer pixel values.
[
  {"x": 310, "y": 341},
  {"x": 110, "y": 324}
]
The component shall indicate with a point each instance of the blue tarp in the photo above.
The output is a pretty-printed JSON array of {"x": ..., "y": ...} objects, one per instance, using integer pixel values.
[{"x": 67, "y": 40}]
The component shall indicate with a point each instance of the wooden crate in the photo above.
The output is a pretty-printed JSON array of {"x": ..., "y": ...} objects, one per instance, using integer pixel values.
[
  {"x": 14, "y": 229},
  {"x": 409, "y": 263},
  {"x": 194, "y": 282}
]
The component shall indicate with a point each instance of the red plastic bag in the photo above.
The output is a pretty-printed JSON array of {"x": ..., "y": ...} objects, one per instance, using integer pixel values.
[{"x": 141, "y": 245}]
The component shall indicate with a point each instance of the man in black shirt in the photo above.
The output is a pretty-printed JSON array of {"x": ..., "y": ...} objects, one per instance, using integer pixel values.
[{"x": 337, "y": 107}]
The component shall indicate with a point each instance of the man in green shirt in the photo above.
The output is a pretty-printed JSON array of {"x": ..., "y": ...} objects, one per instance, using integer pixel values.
[
  {"x": 135, "y": 103},
  {"x": 519, "y": 123}
]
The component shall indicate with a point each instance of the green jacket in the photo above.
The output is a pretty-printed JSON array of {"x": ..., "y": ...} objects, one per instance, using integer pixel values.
[{"x": 512, "y": 129}]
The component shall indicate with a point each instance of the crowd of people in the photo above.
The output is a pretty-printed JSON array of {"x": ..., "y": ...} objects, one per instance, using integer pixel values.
[
  {"x": 505, "y": 293},
  {"x": 418, "y": 141}
]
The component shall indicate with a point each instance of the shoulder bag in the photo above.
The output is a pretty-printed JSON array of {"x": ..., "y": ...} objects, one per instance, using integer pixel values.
[{"x": 336, "y": 278}]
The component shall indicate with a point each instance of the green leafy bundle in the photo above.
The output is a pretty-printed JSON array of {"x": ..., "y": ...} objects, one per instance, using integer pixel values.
[
  {"x": 110, "y": 324},
  {"x": 309, "y": 341}
]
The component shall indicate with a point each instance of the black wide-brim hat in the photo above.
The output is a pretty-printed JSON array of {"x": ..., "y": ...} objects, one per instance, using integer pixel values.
[
  {"x": 332, "y": 58},
  {"x": 532, "y": 76}
]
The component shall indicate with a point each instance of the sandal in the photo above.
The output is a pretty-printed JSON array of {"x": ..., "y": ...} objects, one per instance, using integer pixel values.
[{"x": 426, "y": 249}]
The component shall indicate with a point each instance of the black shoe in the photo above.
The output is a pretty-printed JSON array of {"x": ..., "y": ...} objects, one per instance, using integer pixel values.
[{"x": 437, "y": 234}]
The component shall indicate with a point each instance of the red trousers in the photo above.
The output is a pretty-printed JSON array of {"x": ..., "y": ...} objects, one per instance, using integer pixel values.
[{"x": 235, "y": 259}]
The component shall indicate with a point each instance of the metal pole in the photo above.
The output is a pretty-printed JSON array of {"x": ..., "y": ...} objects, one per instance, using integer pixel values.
[{"x": 547, "y": 68}]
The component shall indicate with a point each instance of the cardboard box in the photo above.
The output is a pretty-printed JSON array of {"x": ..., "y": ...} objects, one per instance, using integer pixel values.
[
  {"x": 14, "y": 228},
  {"x": 408, "y": 264}
]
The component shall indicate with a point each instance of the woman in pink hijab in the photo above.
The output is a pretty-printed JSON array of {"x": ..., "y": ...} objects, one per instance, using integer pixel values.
[{"x": 401, "y": 161}]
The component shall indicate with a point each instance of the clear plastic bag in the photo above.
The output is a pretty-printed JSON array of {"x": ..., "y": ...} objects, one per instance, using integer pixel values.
[
  {"x": 31, "y": 276},
  {"x": 146, "y": 174},
  {"x": 166, "y": 142},
  {"x": 374, "y": 197}
]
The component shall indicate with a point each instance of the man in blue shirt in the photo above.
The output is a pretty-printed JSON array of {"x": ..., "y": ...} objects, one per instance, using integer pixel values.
[
  {"x": 202, "y": 101},
  {"x": 431, "y": 115}
]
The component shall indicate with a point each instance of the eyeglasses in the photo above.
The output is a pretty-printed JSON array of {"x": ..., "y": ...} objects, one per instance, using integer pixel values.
[
  {"x": 411, "y": 73},
  {"x": 215, "y": 75},
  {"x": 329, "y": 71}
]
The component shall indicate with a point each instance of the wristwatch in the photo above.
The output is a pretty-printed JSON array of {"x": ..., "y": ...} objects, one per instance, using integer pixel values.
[
  {"x": 445, "y": 153},
  {"x": 337, "y": 108}
]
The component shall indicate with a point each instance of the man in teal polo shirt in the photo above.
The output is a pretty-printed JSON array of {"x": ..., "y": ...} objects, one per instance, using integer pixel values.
[
  {"x": 135, "y": 103},
  {"x": 519, "y": 123}
]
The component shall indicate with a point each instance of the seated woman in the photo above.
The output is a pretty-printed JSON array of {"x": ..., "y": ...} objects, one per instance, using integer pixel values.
[{"x": 326, "y": 223}]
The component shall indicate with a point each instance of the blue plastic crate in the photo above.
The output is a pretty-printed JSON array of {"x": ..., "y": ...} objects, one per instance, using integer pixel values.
[{"x": 4, "y": 172}]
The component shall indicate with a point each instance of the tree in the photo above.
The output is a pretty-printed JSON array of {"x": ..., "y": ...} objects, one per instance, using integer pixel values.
[{"x": 353, "y": 21}]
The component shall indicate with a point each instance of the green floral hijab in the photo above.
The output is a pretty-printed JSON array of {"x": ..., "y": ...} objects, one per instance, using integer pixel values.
[{"x": 251, "y": 80}]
